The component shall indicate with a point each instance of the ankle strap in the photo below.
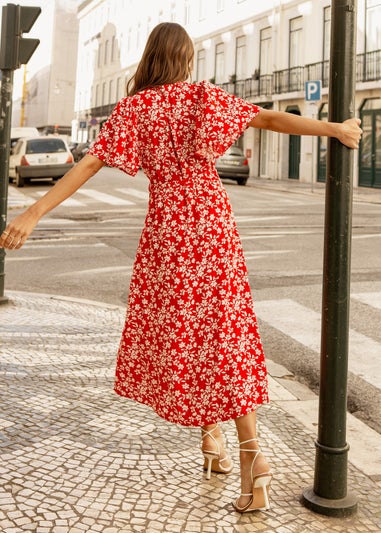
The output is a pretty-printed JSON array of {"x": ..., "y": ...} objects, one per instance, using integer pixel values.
[
  {"x": 205, "y": 432},
  {"x": 250, "y": 440}
]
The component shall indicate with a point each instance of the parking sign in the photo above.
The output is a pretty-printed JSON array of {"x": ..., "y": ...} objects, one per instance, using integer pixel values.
[{"x": 313, "y": 89}]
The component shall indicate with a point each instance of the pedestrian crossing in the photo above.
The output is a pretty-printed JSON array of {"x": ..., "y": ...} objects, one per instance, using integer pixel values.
[
  {"x": 120, "y": 197},
  {"x": 303, "y": 325}
]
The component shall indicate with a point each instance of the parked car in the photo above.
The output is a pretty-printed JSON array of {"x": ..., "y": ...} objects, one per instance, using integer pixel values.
[
  {"x": 39, "y": 157},
  {"x": 79, "y": 150},
  {"x": 22, "y": 131},
  {"x": 233, "y": 165}
]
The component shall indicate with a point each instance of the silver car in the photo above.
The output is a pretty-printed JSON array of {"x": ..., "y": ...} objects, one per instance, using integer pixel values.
[{"x": 233, "y": 165}]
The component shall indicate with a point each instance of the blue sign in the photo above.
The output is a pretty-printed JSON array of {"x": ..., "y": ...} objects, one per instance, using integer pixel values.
[{"x": 313, "y": 90}]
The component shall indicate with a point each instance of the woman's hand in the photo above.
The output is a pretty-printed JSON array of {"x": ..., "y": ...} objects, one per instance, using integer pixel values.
[
  {"x": 350, "y": 133},
  {"x": 17, "y": 231}
]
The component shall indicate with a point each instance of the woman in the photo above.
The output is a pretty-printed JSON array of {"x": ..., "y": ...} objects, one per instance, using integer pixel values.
[{"x": 190, "y": 348}]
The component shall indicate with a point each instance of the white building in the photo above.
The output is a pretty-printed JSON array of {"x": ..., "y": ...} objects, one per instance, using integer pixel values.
[
  {"x": 50, "y": 90},
  {"x": 261, "y": 51}
]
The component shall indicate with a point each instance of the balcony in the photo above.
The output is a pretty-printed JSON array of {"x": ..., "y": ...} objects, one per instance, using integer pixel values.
[
  {"x": 318, "y": 71},
  {"x": 289, "y": 80},
  {"x": 368, "y": 66},
  {"x": 102, "y": 111},
  {"x": 260, "y": 86}
]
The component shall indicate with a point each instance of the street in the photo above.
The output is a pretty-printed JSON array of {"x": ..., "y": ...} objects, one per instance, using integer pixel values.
[{"x": 85, "y": 249}]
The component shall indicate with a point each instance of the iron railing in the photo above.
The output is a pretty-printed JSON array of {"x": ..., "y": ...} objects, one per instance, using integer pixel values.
[{"x": 368, "y": 68}]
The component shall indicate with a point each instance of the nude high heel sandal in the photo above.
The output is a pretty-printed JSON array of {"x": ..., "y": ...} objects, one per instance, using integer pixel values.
[
  {"x": 213, "y": 461},
  {"x": 259, "y": 500}
]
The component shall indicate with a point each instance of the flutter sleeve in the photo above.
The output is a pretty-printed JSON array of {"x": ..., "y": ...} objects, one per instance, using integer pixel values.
[
  {"x": 117, "y": 142},
  {"x": 221, "y": 119}
]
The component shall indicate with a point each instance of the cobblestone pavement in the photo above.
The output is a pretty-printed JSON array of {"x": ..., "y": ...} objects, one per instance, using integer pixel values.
[{"x": 77, "y": 458}]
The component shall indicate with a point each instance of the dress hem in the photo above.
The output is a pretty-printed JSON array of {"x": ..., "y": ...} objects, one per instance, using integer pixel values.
[{"x": 244, "y": 411}]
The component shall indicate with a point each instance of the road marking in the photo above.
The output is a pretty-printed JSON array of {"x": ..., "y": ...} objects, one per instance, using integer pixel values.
[
  {"x": 249, "y": 237},
  {"x": 104, "y": 197},
  {"x": 369, "y": 298},
  {"x": 104, "y": 270},
  {"x": 367, "y": 236},
  {"x": 37, "y": 258},
  {"x": 304, "y": 326},
  {"x": 133, "y": 192},
  {"x": 69, "y": 202},
  {"x": 53, "y": 244},
  {"x": 243, "y": 218},
  {"x": 265, "y": 253}
]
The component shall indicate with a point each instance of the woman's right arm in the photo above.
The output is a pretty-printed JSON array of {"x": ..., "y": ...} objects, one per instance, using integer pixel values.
[
  {"x": 17, "y": 231},
  {"x": 348, "y": 132}
]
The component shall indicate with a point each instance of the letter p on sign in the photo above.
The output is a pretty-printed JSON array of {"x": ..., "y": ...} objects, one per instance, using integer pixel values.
[{"x": 313, "y": 89}]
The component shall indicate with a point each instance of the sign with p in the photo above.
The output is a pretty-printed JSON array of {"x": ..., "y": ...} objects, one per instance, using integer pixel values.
[{"x": 313, "y": 90}]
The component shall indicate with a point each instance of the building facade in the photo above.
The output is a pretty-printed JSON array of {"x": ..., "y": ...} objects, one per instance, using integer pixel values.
[
  {"x": 263, "y": 52},
  {"x": 47, "y": 100}
]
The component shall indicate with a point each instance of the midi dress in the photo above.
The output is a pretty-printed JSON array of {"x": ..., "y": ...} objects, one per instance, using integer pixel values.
[{"x": 190, "y": 348}]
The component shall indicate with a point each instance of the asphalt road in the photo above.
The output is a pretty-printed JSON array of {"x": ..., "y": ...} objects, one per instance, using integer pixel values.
[{"x": 85, "y": 249}]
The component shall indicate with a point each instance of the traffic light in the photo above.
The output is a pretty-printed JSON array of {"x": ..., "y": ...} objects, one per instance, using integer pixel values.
[{"x": 15, "y": 50}]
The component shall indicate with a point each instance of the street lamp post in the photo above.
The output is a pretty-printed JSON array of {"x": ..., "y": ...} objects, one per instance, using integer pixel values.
[{"x": 329, "y": 494}]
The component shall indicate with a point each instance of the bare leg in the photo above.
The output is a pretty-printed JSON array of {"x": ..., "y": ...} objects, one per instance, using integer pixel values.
[{"x": 247, "y": 429}]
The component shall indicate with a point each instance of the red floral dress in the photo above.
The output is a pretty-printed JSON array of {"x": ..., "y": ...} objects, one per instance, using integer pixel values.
[{"x": 190, "y": 347}]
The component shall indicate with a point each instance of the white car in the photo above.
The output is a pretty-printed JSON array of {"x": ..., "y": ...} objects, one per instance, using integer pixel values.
[{"x": 39, "y": 157}]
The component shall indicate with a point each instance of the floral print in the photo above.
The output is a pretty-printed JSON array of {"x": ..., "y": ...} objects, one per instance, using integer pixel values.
[{"x": 190, "y": 347}]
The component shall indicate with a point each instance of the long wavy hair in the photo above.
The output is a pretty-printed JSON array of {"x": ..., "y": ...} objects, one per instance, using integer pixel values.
[{"x": 167, "y": 58}]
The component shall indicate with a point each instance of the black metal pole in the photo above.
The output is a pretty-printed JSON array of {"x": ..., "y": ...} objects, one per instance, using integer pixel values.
[
  {"x": 329, "y": 494},
  {"x": 5, "y": 134}
]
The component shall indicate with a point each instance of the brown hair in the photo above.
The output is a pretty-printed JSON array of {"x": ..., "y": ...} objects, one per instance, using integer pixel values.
[{"x": 167, "y": 58}]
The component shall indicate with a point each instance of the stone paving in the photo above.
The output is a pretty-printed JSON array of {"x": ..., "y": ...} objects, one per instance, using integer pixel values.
[{"x": 77, "y": 458}]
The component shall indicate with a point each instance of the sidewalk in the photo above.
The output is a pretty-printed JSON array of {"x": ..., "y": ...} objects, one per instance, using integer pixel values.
[
  {"x": 77, "y": 458},
  {"x": 360, "y": 194}
]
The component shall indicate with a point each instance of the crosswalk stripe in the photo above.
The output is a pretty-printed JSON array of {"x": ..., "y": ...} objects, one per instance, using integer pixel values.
[
  {"x": 143, "y": 195},
  {"x": 93, "y": 271},
  {"x": 369, "y": 298},
  {"x": 304, "y": 326},
  {"x": 265, "y": 253},
  {"x": 69, "y": 202},
  {"x": 104, "y": 197}
]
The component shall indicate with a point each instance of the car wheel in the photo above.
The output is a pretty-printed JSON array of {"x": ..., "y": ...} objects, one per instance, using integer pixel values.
[
  {"x": 19, "y": 180},
  {"x": 241, "y": 181}
]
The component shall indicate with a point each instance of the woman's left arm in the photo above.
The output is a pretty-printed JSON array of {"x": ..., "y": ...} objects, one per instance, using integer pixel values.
[{"x": 347, "y": 132}]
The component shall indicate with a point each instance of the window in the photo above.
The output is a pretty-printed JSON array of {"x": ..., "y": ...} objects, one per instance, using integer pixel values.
[
  {"x": 373, "y": 26},
  {"x": 186, "y": 13},
  {"x": 97, "y": 95},
  {"x": 113, "y": 48},
  {"x": 295, "y": 44},
  {"x": 117, "y": 89},
  {"x": 265, "y": 51},
  {"x": 106, "y": 52},
  {"x": 219, "y": 72},
  {"x": 103, "y": 93},
  {"x": 138, "y": 36},
  {"x": 202, "y": 9},
  {"x": 240, "y": 58},
  {"x": 47, "y": 146},
  {"x": 110, "y": 92},
  {"x": 326, "y": 33},
  {"x": 200, "y": 65},
  {"x": 99, "y": 55},
  {"x": 220, "y": 5},
  {"x": 173, "y": 12}
]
